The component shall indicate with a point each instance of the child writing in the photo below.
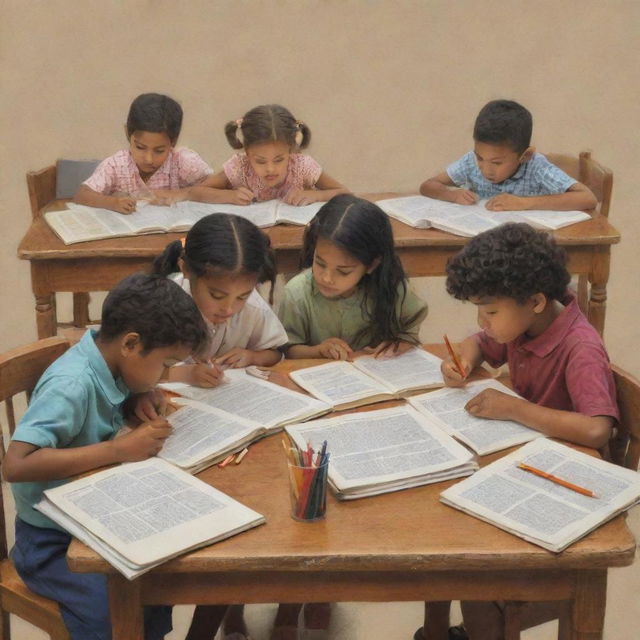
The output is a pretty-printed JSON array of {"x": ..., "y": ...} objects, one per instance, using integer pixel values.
[
  {"x": 506, "y": 169},
  {"x": 517, "y": 279},
  {"x": 223, "y": 259},
  {"x": 148, "y": 323},
  {"x": 151, "y": 168},
  {"x": 355, "y": 295},
  {"x": 271, "y": 165}
]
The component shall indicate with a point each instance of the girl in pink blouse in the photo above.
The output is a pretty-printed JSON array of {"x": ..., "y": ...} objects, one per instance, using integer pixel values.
[{"x": 271, "y": 165}]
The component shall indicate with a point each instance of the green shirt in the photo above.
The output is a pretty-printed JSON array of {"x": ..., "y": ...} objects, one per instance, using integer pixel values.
[{"x": 309, "y": 318}]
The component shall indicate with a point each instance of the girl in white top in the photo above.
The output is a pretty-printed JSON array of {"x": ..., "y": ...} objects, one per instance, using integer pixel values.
[{"x": 223, "y": 259}]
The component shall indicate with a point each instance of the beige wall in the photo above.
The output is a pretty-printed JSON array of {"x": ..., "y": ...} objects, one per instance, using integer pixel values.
[{"x": 389, "y": 89}]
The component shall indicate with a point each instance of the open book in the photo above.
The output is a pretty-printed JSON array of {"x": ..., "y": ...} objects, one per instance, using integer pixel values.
[
  {"x": 375, "y": 452},
  {"x": 538, "y": 509},
  {"x": 215, "y": 422},
  {"x": 446, "y": 408},
  {"x": 367, "y": 379},
  {"x": 140, "y": 514},
  {"x": 79, "y": 223},
  {"x": 469, "y": 220}
]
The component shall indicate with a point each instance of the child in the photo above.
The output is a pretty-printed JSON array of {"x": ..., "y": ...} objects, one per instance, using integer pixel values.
[
  {"x": 271, "y": 165},
  {"x": 355, "y": 296},
  {"x": 506, "y": 169},
  {"x": 223, "y": 259},
  {"x": 148, "y": 323},
  {"x": 151, "y": 168},
  {"x": 517, "y": 279}
]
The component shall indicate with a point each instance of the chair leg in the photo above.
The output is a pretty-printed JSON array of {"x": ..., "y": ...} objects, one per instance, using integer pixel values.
[
  {"x": 5, "y": 626},
  {"x": 80, "y": 309}
]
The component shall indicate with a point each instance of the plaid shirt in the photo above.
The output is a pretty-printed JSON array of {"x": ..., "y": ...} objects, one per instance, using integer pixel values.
[
  {"x": 536, "y": 177},
  {"x": 119, "y": 173}
]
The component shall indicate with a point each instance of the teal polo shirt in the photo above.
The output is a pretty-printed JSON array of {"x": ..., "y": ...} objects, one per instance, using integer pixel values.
[{"x": 77, "y": 402}]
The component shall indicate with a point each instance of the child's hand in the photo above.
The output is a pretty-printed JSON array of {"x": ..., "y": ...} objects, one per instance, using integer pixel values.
[
  {"x": 389, "y": 349},
  {"x": 335, "y": 349},
  {"x": 506, "y": 202},
  {"x": 241, "y": 196},
  {"x": 236, "y": 358},
  {"x": 492, "y": 404},
  {"x": 463, "y": 196},
  {"x": 204, "y": 374},
  {"x": 167, "y": 197},
  {"x": 142, "y": 442},
  {"x": 450, "y": 373},
  {"x": 124, "y": 204},
  {"x": 150, "y": 405},
  {"x": 299, "y": 197}
]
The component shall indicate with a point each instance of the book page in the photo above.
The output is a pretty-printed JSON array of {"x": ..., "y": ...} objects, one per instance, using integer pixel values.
[
  {"x": 414, "y": 369},
  {"x": 149, "y": 511},
  {"x": 380, "y": 446},
  {"x": 484, "y": 436},
  {"x": 412, "y": 210},
  {"x": 266, "y": 403},
  {"x": 337, "y": 383},
  {"x": 538, "y": 509},
  {"x": 79, "y": 224},
  {"x": 288, "y": 213},
  {"x": 262, "y": 214}
]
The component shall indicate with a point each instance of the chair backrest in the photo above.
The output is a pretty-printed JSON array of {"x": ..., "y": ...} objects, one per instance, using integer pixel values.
[
  {"x": 42, "y": 189},
  {"x": 20, "y": 370},
  {"x": 590, "y": 172},
  {"x": 624, "y": 448}
]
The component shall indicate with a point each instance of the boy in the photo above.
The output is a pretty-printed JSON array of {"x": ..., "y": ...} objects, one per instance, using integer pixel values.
[
  {"x": 148, "y": 323},
  {"x": 517, "y": 279},
  {"x": 150, "y": 168},
  {"x": 506, "y": 169}
]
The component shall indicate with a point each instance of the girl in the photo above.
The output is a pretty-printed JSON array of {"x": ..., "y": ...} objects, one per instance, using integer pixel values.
[
  {"x": 150, "y": 168},
  {"x": 271, "y": 165},
  {"x": 355, "y": 296},
  {"x": 223, "y": 259}
]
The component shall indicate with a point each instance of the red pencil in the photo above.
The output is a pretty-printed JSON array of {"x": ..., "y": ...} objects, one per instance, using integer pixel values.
[{"x": 454, "y": 357}]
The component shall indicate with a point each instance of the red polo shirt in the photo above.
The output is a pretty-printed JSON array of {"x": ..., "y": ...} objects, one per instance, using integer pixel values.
[{"x": 566, "y": 367}]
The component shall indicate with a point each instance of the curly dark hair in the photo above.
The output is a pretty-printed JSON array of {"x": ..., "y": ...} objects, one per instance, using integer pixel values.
[
  {"x": 504, "y": 122},
  {"x": 157, "y": 113},
  {"x": 511, "y": 261},
  {"x": 155, "y": 308}
]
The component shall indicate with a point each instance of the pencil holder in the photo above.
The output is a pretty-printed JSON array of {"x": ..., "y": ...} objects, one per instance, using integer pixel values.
[{"x": 308, "y": 491}]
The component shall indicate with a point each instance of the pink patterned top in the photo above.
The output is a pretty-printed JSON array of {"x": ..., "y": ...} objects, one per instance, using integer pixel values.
[
  {"x": 119, "y": 173},
  {"x": 302, "y": 173}
]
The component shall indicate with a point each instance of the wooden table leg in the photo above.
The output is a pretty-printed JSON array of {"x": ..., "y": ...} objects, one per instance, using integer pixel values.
[
  {"x": 589, "y": 605},
  {"x": 598, "y": 278},
  {"x": 127, "y": 619},
  {"x": 46, "y": 321},
  {"x": 80, "y": 309}
]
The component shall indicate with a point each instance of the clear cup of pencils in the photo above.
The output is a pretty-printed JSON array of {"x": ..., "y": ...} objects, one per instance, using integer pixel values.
[{"x": 308, "y": 483}]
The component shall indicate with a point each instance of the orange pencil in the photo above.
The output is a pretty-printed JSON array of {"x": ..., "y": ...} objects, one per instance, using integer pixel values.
[
  {"x": 454, "y": 357},
  {"x": 226, "y": 461},
  {"x": 560, "y": 481}
]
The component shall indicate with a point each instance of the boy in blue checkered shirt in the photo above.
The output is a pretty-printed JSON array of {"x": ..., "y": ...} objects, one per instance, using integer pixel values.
[{"x": 504, "y": 168}]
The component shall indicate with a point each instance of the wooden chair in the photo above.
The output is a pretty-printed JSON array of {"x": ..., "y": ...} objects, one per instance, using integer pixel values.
[
  {"x": 42, "y": 190},
  {"x": 624, "y": 450},
  {"x": 20, "y": 370}
]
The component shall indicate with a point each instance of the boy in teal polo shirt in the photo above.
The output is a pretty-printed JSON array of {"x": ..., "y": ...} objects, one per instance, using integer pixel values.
[{"x": 78, "y": 405}]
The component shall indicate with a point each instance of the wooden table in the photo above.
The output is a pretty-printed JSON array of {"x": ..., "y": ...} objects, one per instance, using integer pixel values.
[
  {"x": 402, "y": 546},
  {"x": 99, "y": 265}
]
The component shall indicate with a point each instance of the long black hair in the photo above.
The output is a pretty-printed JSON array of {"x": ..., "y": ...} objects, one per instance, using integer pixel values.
[
  {"x": 363, "y": 230},
  {"x": 221, "y": 242}
]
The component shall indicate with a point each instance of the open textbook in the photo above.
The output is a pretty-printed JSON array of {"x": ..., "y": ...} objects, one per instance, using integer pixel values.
[
  {"x": 215, "y": 422},
  {"x": 539, "y": 510},
  {"x": 138, "y": 515},
  {"x": 470, "y": 220},
  {"x": 80, "y": 223},
  {"x": 367, "y": 379},
  {"x": 375, "y": 452},
  {"x": 446, "y": 408}
]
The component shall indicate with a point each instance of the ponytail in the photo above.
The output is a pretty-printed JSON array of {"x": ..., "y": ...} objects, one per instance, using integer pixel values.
[
  {"x": 167, "y": 261},
  {"x": 305, "y": 135},
  {"x": 231, "y": 132}
]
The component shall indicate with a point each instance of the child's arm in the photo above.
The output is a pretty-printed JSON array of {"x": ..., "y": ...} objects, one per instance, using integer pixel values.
[
  {"x": 121, "y": 204},
  {"x": 469, "y": 355},
  {"x": 325, "y": 188},
  {"x": 439, "y": 187},
  {"x": 590, "y": 431},
  {"x": 333, "y": 348},
  {"x": 200, "y": 374},
  {"x": 238, "y": 358},
  {"x": 577, "y": 197},
  {"x": 217, "y": 189},
  {"x": 25, "y": 462}
]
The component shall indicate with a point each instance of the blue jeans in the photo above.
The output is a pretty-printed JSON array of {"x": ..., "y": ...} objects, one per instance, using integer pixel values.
[{"x": 40, "y": 558}]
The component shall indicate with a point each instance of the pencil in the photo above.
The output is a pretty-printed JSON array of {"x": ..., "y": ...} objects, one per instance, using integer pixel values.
[
  {"x": 454, "y": 357},
  {"x": 560, "y": 481}
]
